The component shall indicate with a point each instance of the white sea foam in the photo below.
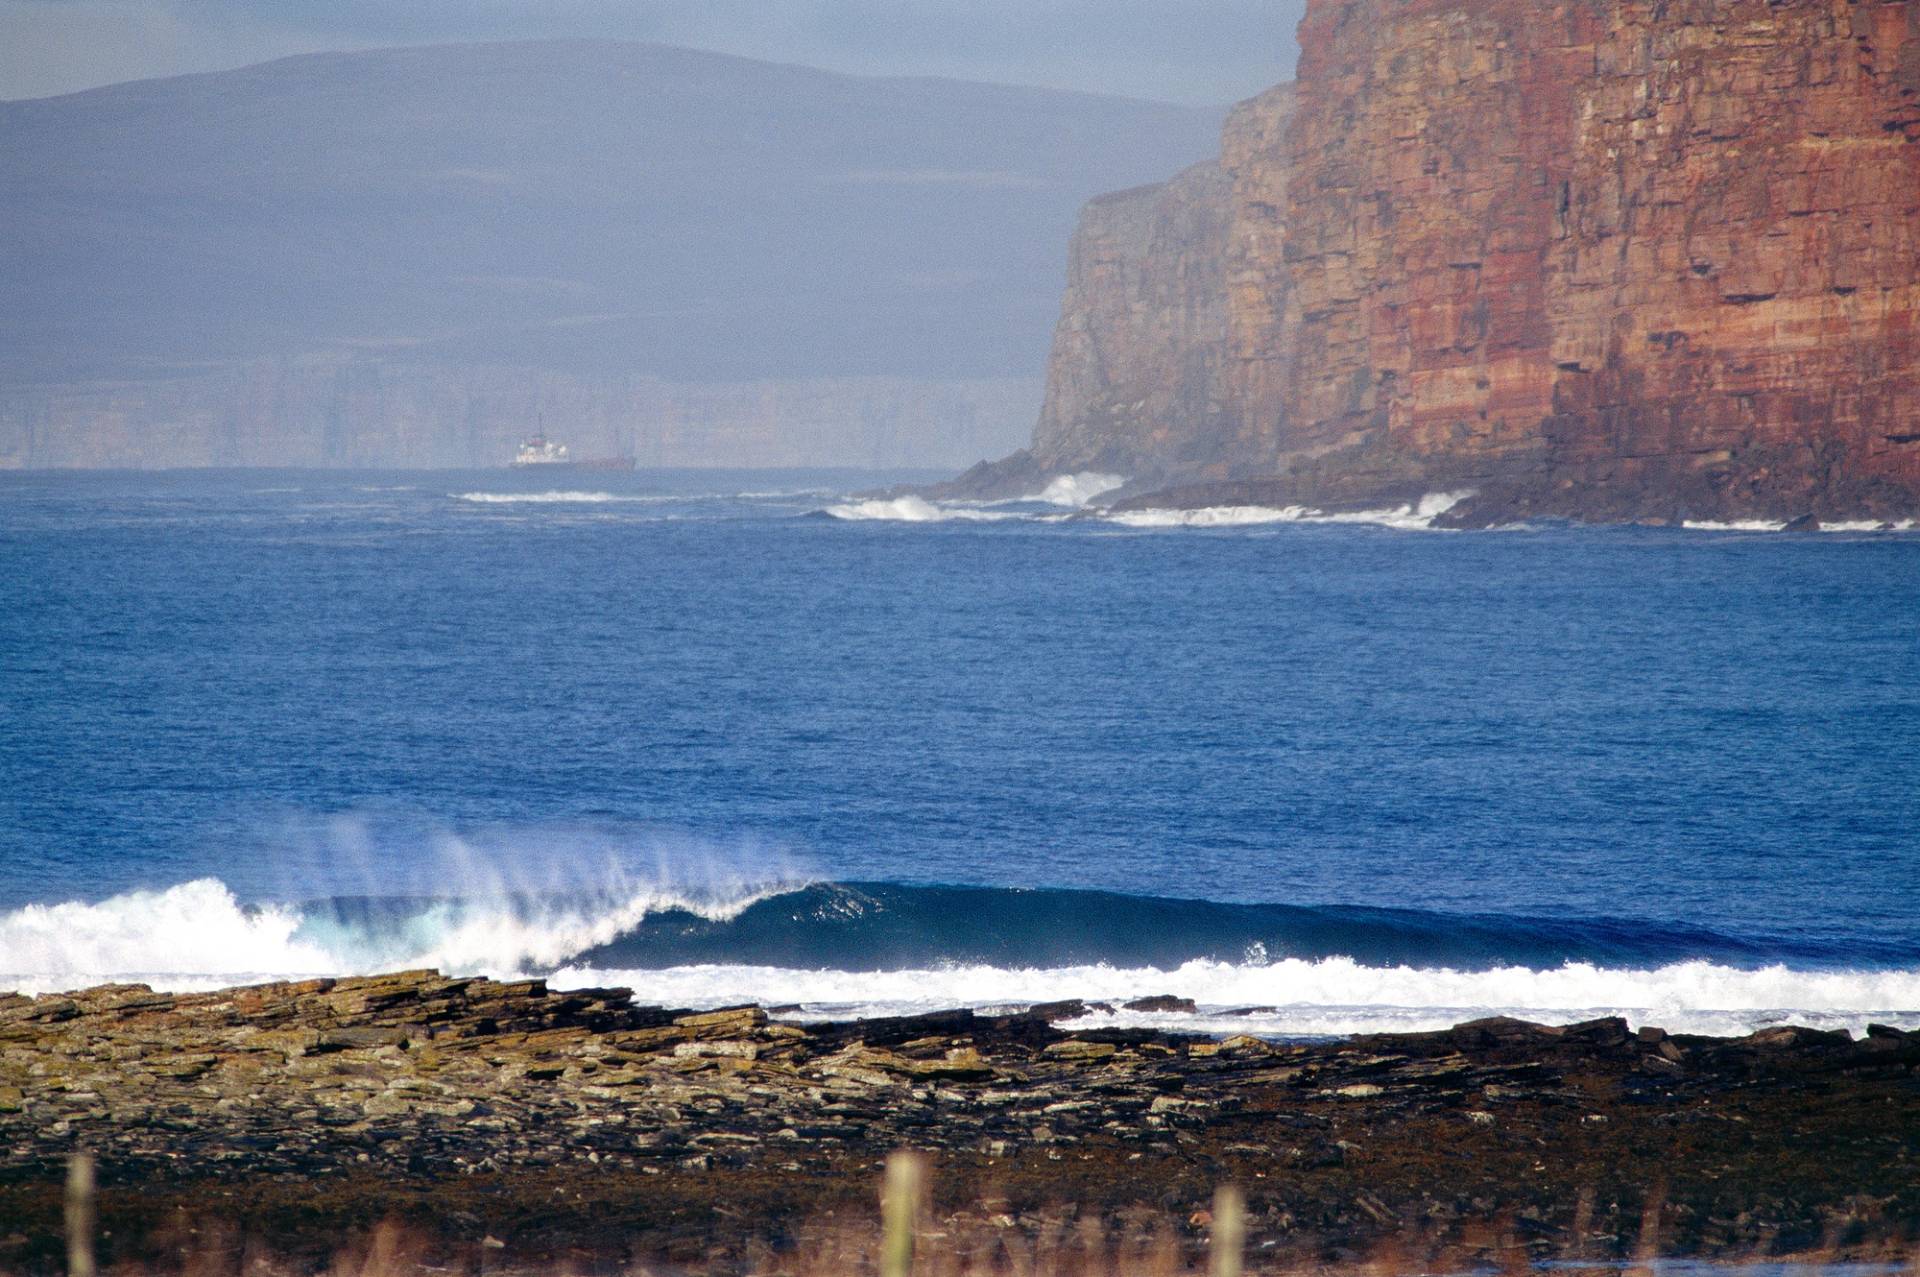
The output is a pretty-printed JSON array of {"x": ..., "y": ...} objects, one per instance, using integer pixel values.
[
  {"x": 911, "y": 509},
  {"x": 199, "y": 935},
  {"x": 1774, "y": 525},
  {"x": 196, "y": 930},
  {"x": 1418, "y": 516},
  {"x": 1219, "y": 516},
  {"x": 1077, "y": 490},
  {"x": 1325, "y": 996},
  {"x": 1869, "y": 525},
  {"x": 544, "y": 498},
  {"x": 1733, "y": 525},
  {"x": 534, "y": 498}
]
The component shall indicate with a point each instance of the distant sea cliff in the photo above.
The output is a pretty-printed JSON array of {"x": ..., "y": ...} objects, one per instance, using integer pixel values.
[{"x": 1603, "y": 261}]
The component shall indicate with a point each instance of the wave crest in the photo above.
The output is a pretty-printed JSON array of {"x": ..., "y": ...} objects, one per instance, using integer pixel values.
[
  {"x": 858, "y": 949},
  {"x": 199, "y": 934}
]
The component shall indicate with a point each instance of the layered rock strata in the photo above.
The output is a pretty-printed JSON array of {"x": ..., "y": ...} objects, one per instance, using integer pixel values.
[
  {"x": 1134, "y": 383},
  {"x": 1605, "y": 259},
  {"x": 579, "y": 1124},
  {"x": 1134, "y": 379},
  {"x": 1613, "y": 259},
  {"x": 1137, "y": 379}
]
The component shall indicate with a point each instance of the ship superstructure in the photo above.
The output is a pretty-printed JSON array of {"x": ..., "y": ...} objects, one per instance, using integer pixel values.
[{"x": 542, "y": 452}]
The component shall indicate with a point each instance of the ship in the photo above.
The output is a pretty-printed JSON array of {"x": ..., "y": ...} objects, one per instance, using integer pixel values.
[{"x": 542, "y": 453}]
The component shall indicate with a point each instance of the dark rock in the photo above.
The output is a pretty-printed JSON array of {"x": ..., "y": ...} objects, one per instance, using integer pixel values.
[
  {"x": 1790, "y": 1037},
  {"x": 890, "y": 1030},
  {"x": 1608, "y": 1032},
  {"x": 1049, "y": 1012},
  {"x": 1161, "y": 1003},
  {"x": 561, "y": 1115}
]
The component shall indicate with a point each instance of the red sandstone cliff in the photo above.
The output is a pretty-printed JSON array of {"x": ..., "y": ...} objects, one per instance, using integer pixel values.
[
  {"x": 1626, "y": 259},
  {"x": 1607, "y": 259}
]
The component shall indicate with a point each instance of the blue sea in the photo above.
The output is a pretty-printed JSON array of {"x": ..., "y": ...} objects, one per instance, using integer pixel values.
[{"x": 728, "y": 737}]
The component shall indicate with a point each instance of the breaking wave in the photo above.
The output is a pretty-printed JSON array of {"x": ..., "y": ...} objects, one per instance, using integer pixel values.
[
  {"x": 1076, "y": 491},
  {"x": 912, "y": 509},
  {"x": 1417, "y": 516},
  {"x": 1734, "y": 525},
  {"x": 1080, "y": 490},
  {"x": 200, "y": 934},
  {"x": 878, "y": 948},
  {"x": 197, "y": 929}
]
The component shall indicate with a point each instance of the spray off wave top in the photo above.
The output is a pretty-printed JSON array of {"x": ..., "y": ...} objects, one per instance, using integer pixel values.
[{"x": 879, "y": 948}]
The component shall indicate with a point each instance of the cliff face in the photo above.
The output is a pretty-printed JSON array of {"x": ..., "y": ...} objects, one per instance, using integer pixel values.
[
  {"x": 1611, "y": 259},
  {"x": 1608, "y": 259},
  {"x": 1258, "y": 280},
  {"x": 1133, "y": 385},
  {"x": 1154, "y": 339},
  {"x": 1736, "y": 303}
]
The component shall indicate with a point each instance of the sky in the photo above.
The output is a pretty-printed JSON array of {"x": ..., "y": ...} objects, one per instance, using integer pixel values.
[{"x": 1196, "y": 51}]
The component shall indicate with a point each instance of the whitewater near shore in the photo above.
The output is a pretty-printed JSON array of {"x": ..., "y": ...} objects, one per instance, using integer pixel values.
[{"x": 835, "y": 951}]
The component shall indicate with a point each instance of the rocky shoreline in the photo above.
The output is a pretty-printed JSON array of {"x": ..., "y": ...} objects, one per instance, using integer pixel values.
[{"x": 578, "y": 1125}]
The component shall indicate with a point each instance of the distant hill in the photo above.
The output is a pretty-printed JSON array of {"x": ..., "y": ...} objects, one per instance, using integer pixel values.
[{"x": 204, "y": 268}]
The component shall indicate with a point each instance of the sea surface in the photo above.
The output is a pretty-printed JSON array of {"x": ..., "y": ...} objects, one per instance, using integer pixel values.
[{"x": 756, "y": 737}]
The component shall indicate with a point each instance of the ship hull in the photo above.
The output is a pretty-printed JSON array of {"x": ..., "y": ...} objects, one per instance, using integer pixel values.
[{"x": 572, "y": 467}]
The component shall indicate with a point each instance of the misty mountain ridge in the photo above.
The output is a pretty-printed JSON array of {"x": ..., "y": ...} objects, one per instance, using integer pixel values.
[{"x": 591, "y": 212}]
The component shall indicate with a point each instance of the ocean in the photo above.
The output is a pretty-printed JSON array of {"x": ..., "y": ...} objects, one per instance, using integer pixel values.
[{"x": 750, "y": 737}]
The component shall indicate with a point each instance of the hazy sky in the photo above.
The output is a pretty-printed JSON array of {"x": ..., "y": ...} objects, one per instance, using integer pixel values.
[{"x": 1198, "y": 51}]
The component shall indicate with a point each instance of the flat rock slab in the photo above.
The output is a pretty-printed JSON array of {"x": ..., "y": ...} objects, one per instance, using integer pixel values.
[{"x": 577, "y": 1124}]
